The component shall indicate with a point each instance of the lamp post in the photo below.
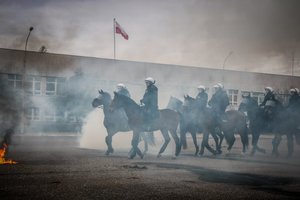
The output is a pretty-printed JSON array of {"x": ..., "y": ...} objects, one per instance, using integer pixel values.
[
  {"x": 23, "y": 117},
  {"x": 223, "y": 67}
]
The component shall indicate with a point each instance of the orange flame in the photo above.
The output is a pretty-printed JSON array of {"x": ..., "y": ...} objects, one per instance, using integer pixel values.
[{"x": 2, "y": 154}]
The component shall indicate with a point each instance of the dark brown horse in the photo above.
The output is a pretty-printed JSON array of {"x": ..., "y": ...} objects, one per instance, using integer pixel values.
[
  {"x": 167, "y": 121},
  {"x": 116, "y": 121},
  {"x": 235, "y": 123}
]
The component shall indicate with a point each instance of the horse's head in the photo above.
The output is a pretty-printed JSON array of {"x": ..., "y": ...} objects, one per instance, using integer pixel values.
[
  {"x": 189, "y": 101},
  {"x": 103, "y": 99},
  {"x": 123, "y": 101},
  {"x": 175, "y": 104},
  {"x": 248, "y": 104}
]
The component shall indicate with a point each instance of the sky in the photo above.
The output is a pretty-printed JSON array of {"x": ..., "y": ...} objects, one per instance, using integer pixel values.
[{"x": 246, "y": 35}]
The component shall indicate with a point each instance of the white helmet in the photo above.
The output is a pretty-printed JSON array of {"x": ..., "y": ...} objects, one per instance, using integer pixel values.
[
  {"x": 201, "y": 87},
  {"x": 297, "y": 90},
  {"x": 121, "y": 86},
  {"x": 150, "y": 80},
  {"x": 293, "y": 90},
  {"x": 219, "y": 85},
  {"x": 269, "y": 89}
]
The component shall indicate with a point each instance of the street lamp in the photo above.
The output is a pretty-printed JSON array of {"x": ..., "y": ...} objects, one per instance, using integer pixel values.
[
  {"x": 223, "y": 67},
  {"x": 23, "y": 118},
  {"x": 229, "y": 54}
]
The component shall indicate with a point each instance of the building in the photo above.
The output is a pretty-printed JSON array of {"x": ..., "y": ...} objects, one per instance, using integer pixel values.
[{"x": 54, "y": 80}]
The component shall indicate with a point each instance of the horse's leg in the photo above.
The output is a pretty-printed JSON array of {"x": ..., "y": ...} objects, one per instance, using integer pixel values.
[
  {"x": 206, "y": 144},
  {"x": 275, "y": 142},
  {"x": 194, "y": 136},
  {"x": 255, "y": 147},
  {"x": 177, "y": 142},
  {"x": 221, "y": 136},
  {"x": 134, "y": 144},
  {"x": 244, "y": 138},
  {"x": 230, "y": 140},
  {"x": 216, "y": 139},
  {"x": 167, "y": 140},
  {"x": 143, "y": 136},
  {"x": 183, "y": 143},
  {"x": 108, "y": 141},
  {"x": 202, "y": 145},
  {"x": 290, "y": 144}
]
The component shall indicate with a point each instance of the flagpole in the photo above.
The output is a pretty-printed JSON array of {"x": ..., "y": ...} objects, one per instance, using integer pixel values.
[{"x": 114, "y": 38}]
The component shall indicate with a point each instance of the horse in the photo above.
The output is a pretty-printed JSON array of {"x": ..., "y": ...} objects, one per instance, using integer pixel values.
[
  {"x": 285, "y": 121},
  {"x": 189, "y": 122},
  {"x": 273, "y": 117},
  {"x": 167, "y": 121},
  {"x": 116, "y": 121},
  {"x": 235, "y": 123}
]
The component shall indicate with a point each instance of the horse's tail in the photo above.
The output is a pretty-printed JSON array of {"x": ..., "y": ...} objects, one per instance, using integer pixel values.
[{"x": 182, "y": 135}]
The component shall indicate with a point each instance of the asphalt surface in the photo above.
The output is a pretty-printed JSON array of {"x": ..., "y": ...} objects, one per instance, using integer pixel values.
[{"x": 54, "y": 167}]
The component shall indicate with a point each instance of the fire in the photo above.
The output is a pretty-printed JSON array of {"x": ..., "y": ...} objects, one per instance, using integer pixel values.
[{"x": 2, "y": 154}]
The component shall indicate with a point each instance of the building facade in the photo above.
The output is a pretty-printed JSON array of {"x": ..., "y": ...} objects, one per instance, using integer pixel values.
[{"x": 59, "y": 88}]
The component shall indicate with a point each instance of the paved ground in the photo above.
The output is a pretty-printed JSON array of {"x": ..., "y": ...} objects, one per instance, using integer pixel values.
[{"x": 55, "y": 168}]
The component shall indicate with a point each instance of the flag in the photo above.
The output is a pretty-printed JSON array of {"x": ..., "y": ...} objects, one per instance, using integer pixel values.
[{"x": 120, "y": 30}]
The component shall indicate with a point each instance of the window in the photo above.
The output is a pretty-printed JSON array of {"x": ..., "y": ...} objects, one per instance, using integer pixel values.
[
  {"x": 49, "y": 115},
  {"x": 34, "y": 85},
  {"x": 258, "y": 96},
  {"x": 233, "y": 97},
  {"x": 33, "y": 113},
  {"x": 15, "y": 81},
  {"x": 55, "y": 86}
]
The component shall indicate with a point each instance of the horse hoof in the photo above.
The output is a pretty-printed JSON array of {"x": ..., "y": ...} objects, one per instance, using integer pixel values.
[
  {"x": 131, "y": 157},
  {"x": 158, "y": 156},
  {"x": 107, "y": 153},
  {"x": 174, "y": 157}
]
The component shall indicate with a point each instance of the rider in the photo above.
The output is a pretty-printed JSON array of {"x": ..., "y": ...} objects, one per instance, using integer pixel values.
[
  {"x": 219, "y": 101},
  {"x": 150, "y": 101},
  {"x": 201, "y": 97},
  {"x": 294, "y": 100},
  {"x": 248, "y": 102},
  {"x": 121, "y": 89},
  {"x": 269, "y": 95}
]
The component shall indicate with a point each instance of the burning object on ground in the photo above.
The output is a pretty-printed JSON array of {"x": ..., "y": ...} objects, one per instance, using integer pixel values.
[{"x": 4, "y": 147}]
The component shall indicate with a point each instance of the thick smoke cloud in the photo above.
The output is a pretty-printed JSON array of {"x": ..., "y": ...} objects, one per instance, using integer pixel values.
[{"x": 262, "y": 34}]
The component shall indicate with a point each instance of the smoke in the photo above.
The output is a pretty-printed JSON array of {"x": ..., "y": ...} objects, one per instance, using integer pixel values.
[
  {"x": 196, "y": 33},
  {"x": 94, "y": 133}
]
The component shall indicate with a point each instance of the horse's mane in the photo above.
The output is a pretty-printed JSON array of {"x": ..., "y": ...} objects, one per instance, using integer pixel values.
[{"x": 127, "y": 100}]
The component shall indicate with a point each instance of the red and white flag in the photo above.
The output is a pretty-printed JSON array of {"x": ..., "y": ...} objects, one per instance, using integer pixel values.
[{"x": 120, "y": 30}]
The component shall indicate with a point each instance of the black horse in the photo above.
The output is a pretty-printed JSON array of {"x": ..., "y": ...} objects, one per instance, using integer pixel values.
[
  {"x": 167, "y": 121},
  {"x": 274, "y": 118},
  {"x": 116, "y": 121},
  {"x": 190, "y": 123},
  {"x": 195, "y": 121}
]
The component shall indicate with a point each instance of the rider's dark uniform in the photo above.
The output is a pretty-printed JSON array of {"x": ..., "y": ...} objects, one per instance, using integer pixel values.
[
  {"x": 269, "y": 96},
  {"x": 219, "y": 102},
  {"x": 202, "y": 100},
  {"x": 150, "y": 101}
]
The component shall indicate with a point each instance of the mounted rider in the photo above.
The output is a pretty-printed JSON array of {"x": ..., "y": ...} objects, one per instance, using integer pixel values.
[
  {"x": 121, "y": 89},
  {"x": 219, "y": 102},
  {"x": 201, "y": 97},
  {"x": 294, "y": 100},
  {"x": 150, "y": 101},
  {"x": 269, "y": 96},
  {"x": 271, "y": 106}
]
